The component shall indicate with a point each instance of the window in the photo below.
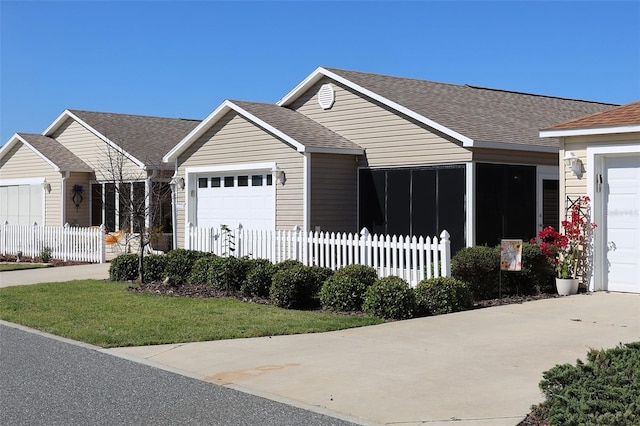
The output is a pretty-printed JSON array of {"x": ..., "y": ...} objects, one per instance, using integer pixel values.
[
  {"x": 202, "y": 182},
  {"x": 215, "y": 182},
  {"x": 256, "y": 180},
  {"x": 269, "y": 180},
  {"x": 228, "y": 181},
  {"x": 243, "y": 180}
]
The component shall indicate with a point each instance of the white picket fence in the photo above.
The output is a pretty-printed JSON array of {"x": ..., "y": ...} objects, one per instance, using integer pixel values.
[
  {"x": 68, "y": 243},
  {"x": 411, "y": 258}
]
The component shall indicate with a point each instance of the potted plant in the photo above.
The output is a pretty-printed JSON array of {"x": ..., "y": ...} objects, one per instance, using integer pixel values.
[{"x": 565, "y": 250}]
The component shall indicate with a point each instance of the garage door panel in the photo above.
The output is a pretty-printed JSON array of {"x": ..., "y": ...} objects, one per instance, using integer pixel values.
[
  {"x": 251, "y": 206},
  {"x": 623, "y": 223}
]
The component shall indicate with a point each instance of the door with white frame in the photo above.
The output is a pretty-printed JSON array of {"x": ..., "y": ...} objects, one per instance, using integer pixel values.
[{"x": 616, "y": 189}]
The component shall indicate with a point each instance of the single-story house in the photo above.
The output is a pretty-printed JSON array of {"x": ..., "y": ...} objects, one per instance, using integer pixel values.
[
  {"x": 600, "y": 158},
  {"x": 73, "y": 172},
  {"x": 344, "y": 150}
]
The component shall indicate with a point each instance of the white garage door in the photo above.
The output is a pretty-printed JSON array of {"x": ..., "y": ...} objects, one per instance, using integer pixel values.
[
  {"x": 623, "y": 223},
  {"x": 21, "y": 204},
  {"x": 247, "y": 199}
]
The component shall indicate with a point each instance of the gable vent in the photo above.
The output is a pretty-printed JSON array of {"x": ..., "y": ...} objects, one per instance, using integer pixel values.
[{"x": 326, "y": 96}]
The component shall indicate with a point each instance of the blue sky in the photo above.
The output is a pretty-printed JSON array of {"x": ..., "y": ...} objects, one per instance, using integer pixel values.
[{"x": 182, "y": 59}]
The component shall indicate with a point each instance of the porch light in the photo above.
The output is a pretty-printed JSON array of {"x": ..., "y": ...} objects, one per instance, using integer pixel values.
[
  {"x": 572, "y": 162},
  {"x": 177, "y": 182},
  {"x": 46, "y": 186},
  {"x": 279, "y": 174}
]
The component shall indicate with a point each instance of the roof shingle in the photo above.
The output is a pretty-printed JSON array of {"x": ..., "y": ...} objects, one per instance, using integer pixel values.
[
  {"x": 59, "y": 155},
  {"x": 482, "y": 114},
  {"x": 304, "y": 130},
  {"x": 618, "y": 116},
  {"x": 144, "y": 137}
]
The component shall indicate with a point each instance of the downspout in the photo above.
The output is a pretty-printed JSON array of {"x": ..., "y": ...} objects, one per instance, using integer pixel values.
[
  {"x": 63, "y": 197},
  {"x": 174, "y": 206},
  {"x": 149, "y": 193}
]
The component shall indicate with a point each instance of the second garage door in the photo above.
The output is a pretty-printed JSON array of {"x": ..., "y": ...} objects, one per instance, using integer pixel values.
[
  {"x": 246, "y": 199},
  {"x": 622, "y": 225}
]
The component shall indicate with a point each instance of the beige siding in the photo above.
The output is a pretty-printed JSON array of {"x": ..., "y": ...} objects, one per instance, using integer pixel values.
[
  {"x": 22, "y": 163},
  {"x": 78, "y": 216},
  {"x": 575, "y": 186},
  {"x": 483, "y": 155},
  {"x": 234, "y": 140},
  {"x": 389, "y": 138},
  {"x": 95, "y": 152},
  {"x": 334, "y": 192}
]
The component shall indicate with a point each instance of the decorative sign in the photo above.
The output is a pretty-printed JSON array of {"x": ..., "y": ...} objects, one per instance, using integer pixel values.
[{"x": 510, "y": 255}]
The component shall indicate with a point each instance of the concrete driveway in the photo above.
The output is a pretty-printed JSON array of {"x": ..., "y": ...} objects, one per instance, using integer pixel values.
[
  {"x": 95, "y": 271},
  {"x": 477, "y": 367}
]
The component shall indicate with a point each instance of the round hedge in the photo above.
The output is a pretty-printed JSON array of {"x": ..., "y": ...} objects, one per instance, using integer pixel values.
[
  {"x": 293, "y": 288},
  {"x": 443, "y": 295},
  {"x": 389, "y": 298}
]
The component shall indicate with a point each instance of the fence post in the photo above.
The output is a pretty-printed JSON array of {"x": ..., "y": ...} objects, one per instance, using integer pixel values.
[
  {"x": 239, "y": 242},
  {"x": 445, "y": 254},
  {"x": 189, "y": 231},
  {"x": 5, "y": 225},
  {"x": 102, "y": 249},
  {"x": 296, "y": 243},
  {"x": 364, "y": 259},
  {"x": 65, "y": 242}
]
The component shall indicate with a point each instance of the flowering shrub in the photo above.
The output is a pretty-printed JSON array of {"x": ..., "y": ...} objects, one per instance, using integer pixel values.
[{"x": 564, "y": 250}]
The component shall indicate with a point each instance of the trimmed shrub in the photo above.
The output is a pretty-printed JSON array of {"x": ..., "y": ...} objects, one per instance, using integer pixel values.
[
  {"x": 322, "y": 274},
  {"x": 479, "y": 267},
  {"x": 227, "y": 273},
  {"x": 342, "y": 293},
  {"x": 258, "y": 281},
  {"x": 603, "y": 391},
  {"x": 199, "y": 274},
  {"x": 389, "y": 298},
  {"x": 537, "y": 275},
  {"x": 124, "y": 268},
  {"x": 442, "y": 295},
  {"x": 286, "y": 264},
  {"x": 344, "y": 290},
  {"x": 364, "y": 274},
  {"x": 179, "y": 263},
  {"x": 293, "y": 288},
  {"x": 45, "y": 254},
  {"x": 153, "y": 267}
]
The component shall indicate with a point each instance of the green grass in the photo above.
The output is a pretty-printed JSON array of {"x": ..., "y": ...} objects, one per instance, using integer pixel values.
[
  {"x": 106, "y": 314},
  {"x": 14, "y": 266}
]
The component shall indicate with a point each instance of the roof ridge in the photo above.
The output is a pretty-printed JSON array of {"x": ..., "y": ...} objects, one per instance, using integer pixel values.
[
  {"x": 473, "y": 86},
  {"x": 131, "y": 115},
  {"x": 539, "y": 95}
]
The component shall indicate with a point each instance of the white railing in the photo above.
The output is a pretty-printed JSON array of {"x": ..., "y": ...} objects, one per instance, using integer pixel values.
[
  {"x": 66, "y": 243},
  {"x": 411, "y": 258}
]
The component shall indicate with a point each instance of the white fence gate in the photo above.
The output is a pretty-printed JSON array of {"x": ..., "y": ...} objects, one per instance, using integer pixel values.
[
  {"x": 411, "y": 258},
  {"x": 66, "y": 243}
]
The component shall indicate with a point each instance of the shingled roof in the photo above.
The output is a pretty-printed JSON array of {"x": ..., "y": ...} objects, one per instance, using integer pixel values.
[
  {"x": 482, "y": 114},
  {"x": 144, "y": 137},
  {"x": 56, "y": 153},
  {"x": 299, "y": 127},
  {"x": 618, "y": 116}
]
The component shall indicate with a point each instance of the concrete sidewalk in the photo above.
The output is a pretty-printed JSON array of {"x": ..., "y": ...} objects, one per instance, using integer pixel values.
[
  {"x": 478, "y": 367},
  {"x": 474, "y": 368},
  {"x": 97, "y": 271}
]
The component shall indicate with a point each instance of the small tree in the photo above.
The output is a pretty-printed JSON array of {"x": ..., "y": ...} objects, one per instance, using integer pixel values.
[{"x": 139, "y": 197}]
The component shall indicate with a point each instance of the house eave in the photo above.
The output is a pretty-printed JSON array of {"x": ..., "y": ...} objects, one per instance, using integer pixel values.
[
  {"x": 215, "y": 116},
  {"x": 68, "y": 114},
  {"x": 17, "y": 138},
  {"x": 515, "y": 147},
  {"x": 586, "y": 131},
  {"x": 322, "y": 72}
]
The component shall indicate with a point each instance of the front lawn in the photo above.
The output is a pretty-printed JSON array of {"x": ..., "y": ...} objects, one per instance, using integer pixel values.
[
  {"x": 14, "y": 266},
  {"x": 106, "y": 314}
]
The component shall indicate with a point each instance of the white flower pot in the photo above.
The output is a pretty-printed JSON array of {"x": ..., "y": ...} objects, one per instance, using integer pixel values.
[{"x": 567, "y": 286}]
